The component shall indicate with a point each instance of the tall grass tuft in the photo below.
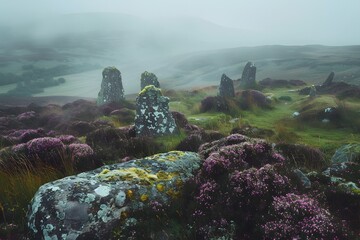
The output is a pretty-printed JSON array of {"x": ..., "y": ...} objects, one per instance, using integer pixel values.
[{"x": 19, "y": 184}]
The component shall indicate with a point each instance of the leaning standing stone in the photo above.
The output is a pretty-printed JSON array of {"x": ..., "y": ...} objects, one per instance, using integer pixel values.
[
  {"x": 111, "y": 86},
  {"x": 153, "y": 117}
]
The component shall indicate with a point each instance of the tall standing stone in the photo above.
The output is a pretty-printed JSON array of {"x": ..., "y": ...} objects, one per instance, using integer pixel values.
[
  {"x": 248, "y": 75},
  {"x": 149, "y": 79},
  {"x": 329, "y": 80},
  {"x": 111, "y": 86},
  {"x": 153, "y": 117},
  {"x": 226, "y": 88}
]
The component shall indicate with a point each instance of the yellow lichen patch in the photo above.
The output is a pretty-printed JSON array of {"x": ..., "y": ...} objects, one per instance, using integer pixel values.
[
  {"x": 105, "y": 171},
  {"x": 165, "y": 176},
  {"x": 170, "y": 156},
  {"x": 160, "y": 187},
  {"x": 144, "y": 197},
  {"x": 129, "y": 174},
  {"x": 130, "y": 194},
  {"x": 149, "y": 87}
]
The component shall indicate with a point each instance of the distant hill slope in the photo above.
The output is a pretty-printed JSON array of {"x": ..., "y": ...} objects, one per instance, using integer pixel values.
[{"x": 310, "y": 63}]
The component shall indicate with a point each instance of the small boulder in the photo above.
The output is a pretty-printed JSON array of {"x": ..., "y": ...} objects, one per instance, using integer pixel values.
[{"x": 347, "y": 153}]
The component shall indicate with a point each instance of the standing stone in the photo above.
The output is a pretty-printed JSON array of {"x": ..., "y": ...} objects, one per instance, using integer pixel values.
[
  {"x": 111, "y": 86},
  {"x": 329, "y": 80},
  {"x": 153, "y": 117},
  {"x": 149, "y": 79},
  {"x": 226, "y": 88},
  {"x": 312, "y": 92},
  {"x": 248, "y": 75}
]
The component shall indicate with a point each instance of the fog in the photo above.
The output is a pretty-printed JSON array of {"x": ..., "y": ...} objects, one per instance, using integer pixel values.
[{"x": 141, "y": 35}]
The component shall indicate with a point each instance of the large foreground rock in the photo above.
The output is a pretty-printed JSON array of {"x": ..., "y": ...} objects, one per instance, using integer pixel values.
[{"x": 116, "y": 201}]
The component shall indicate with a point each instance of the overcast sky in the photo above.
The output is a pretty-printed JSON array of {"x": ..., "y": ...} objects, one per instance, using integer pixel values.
[{"x": 331, "y": 22}]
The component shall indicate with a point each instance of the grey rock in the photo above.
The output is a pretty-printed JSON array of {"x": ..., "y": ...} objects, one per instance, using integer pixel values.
[
  {"x": 226, "y": 88},
  {"x": 347, "y": 153},
  {"x": 111, "y": 87},
  {"x": 305, "y": 181},
  {"x": 153, "y": 117},
  {"x": 149, "y": 79},
  {"x": 119, "y": 197},
  {"x": 248, "y": 76}
]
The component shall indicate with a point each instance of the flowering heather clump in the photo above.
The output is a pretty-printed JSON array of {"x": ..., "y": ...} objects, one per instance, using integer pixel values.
[
  {"x": 48, "y": 150},
  {"x": 68, "y": 139},
  {"x": 25, "y": 135},
  {"x": 300, "y": 217},
  {"x": 257, "y": 186},
  {"x": 26, "y": 116},
  {"x": 80, "y": 150},
  {"x": 240, "y": 156}
]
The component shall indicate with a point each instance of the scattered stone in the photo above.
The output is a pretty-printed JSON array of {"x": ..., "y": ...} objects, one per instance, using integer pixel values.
[
  {"x": 329, "y": 80},
  {"x": 226, "y": 88},
  {"x": 114, "y": 198},
  {"x": 303, "y": 179},
  {"x": 248, "y": 75},
  {"x": 347, "y": 153},
  {"x": 111, "y": 86},
  {"x": 153, "y": 117},
  {"x": 149, "y": 79},
  {"x": 295, "y": 114}
]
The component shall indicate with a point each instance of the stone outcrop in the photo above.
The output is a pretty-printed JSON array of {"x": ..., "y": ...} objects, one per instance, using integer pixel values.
[
  {"x": 130, "y": 200},
  {"x": 149, "y": 79},
  {"x": 248, "y": 76},
  {"x": 111, "y": 86},
  {"x": 226, "y": 88},
  {"x": 153, "y": 117},
  {"x": 329, "y": 80}
]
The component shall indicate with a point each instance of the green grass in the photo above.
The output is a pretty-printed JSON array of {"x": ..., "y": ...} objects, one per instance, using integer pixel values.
[{"x": 169, "y": 142}]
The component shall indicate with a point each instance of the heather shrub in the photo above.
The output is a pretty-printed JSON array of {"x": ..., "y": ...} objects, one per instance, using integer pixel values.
[
  {"x": 237, "y": 201},
  {"x": 83, "y": 157},
  {"x": 235, "y": 187},
  {"x": 300, "y": 217}
]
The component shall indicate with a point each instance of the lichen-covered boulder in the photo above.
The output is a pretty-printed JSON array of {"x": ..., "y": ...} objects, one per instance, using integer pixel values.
[
  {"x": 111, "y": 86},
  {"x": 226, "y": 88},
  {"x": 149, "y": 79},
  {"x": 153, "y": 117},
  {"x": 248, "y": 75},
  {"x": 131, "y": 200}
]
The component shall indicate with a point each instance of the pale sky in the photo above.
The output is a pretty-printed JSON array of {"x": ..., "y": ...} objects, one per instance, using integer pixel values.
[{"x": 329, "y": 22}]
